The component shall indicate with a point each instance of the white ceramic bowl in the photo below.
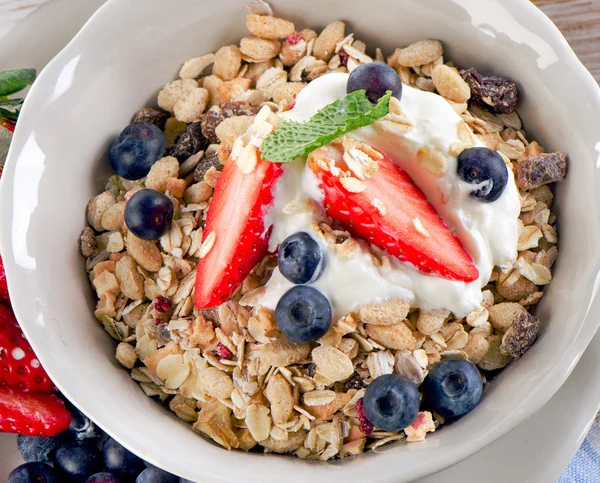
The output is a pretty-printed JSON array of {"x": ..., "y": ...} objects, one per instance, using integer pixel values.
[{"x": 116, "y": 65}]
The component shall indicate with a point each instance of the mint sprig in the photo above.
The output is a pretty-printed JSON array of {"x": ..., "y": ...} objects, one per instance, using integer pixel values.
[
  {"x": 12, "y": 81},
  {"x": 291, "y": 139}
]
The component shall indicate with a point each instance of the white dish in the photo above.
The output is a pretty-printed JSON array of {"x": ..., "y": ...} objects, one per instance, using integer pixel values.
[{"x": 60, "y": 345}]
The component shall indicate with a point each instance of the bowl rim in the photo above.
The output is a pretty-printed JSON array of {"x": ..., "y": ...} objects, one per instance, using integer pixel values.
[{"x": 551, "y": 381}]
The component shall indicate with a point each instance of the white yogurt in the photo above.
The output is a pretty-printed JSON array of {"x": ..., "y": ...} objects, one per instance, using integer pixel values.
[{"x": 489, "y": 231}]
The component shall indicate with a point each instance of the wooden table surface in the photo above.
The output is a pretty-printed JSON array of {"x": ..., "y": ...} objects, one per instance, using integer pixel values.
[{"x": 579, "y": 20}]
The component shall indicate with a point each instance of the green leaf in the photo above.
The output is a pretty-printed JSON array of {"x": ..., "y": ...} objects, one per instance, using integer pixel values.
[
  {"x": 11, "y": 102},
  {"x": 290, "y": 140},
  {"x": 12, "y": 81},
  {"x": 5, "y": 113}
]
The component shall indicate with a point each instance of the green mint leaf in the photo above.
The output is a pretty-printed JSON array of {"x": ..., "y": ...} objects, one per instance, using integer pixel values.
[
  {"x": 11, "y": 102},
  {"x": 290, "y": 140},
  {"x": 12, "y": 81}
]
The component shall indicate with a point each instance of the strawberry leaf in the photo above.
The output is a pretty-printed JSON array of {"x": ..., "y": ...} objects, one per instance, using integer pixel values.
[
  {"x": 294, "y": 139},
  {"x": 12, "y": 81}
]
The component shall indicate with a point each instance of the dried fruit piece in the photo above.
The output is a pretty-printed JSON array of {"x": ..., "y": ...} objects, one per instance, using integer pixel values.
[
  {"x": 210, "y": 160},
  {"x": 520, "y": 336},
  {"x": 497, "y": 93},
  {"x": 189, "y": 142},
  {"x": 366, "y": 426},
  {"x": 536, "y": 171},
  {"x": 158, "y": 117}
]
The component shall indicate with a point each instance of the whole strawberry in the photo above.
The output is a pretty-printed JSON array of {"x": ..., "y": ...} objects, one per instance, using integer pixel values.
[
  {"x": 19, "y": 367},
  {"x": 3, "y": 285}
]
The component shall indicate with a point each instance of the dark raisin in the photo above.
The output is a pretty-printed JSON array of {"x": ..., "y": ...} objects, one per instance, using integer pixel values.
[
  {"x": 356, "y": 381},
  {"x": 209, "y": 161},
  {"x": 496, "y": 93},
  {"x": 162, "y": 333},
  {"x": 520, "y": 336},
  {"x": 312, "y": 369},
  {"x": 210, "y": 122},
  {"x": 188, "y": 142},
  {"x": 238, "y": 108},
  {"x": 158, "y": 117},
  {"x": 536, "y": 171}
]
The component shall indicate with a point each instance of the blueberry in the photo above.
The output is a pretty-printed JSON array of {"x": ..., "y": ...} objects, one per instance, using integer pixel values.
[
  {"x": 452, "y": 388},
  {"x": 103, "y": 478},
  {"x": 391, "y": 402},
  {"x": 303, "y": 314},
  {"x": 137, "y": 148},
  {"x": 34, "y": 472},
  {"x": 300, "y": 258},
  {"x": 38, "y": 448},
  {"x": 148, "y": 214},
  {"x": 120, "y": 460},
  {"x": 153, "y": 474},
  {"x": 78, "y": 460},
  {"x": 81, "y": 426},
  {"x": 485, "y": 168},
  {"x": 376, "y": 79}
]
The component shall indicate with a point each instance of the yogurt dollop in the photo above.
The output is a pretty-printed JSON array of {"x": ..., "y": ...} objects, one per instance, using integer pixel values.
[{"x": 488, "y": 231}]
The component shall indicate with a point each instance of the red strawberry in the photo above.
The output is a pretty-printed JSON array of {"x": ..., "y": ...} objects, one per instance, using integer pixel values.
[
  {"x": 3, "y": 286},
  {"x": 437, "y": 251},
  {"x": 7, "y": 124},
  {"x": 236, "y": 221},
  {"x": 32, "y": 414},
  {"x": 19, "y": 367}
]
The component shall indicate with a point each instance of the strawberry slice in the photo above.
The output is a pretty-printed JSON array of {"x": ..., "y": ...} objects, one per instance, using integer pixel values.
[
  {"x": 19, "y": 367},
  {"x": 393, "y": 214},
  {"x": 3, "y": 285},
  {"x": 32, "y": 414},
  {"x": 235, "y": 222}
]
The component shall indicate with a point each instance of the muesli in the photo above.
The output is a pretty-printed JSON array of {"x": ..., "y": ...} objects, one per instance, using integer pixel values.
[{"x": 319, "y": 250}]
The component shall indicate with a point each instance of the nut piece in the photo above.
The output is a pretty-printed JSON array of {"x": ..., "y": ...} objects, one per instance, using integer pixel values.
[
  {"x": 519, "y": 290},
  {"x": 255, "y": 49},
  {"x": 504, "y": 314},
  {"x": 193, "y": 68},
  {"x": 292, "y": 443},
  {"x": 476, "y": 347},
  {"x": 332, "y": 363},
  {"x": 232, "y": 89},
  {"x": 397, "y": 336},
  {"x": 215, "y": 383},
  {"x": 496, "y": 93},
  {"x": 188, "y": 142},
  {"x": 520, "y": 336},
  {"x": 233, "y": 127},
  {"x": 390, "y": 311},
  {"x": 130, "y": 280},
  {"x": 258, "y": 421},
  {"x": 126, "y": 355},
  {"x": 173, "y": 91},
  {"x": 228, "y": 61},
  {"x": 324, "y": 47},
  {"x": 144, "y": 252},
  {"x": 96, "y": 208},
  {"x": 167, "y": 167},
  {"x": 429, "y": 322},
  {"x": 197, "y": 193},
  {"x": 420, "y": 53},
  {"x": 279, "y": 394},
  {"x": 494, "y": 359},
  {"x": 114, "y": 217},
  {"x": 88, "y": 244},
  {"x": 191, "y": 105},
  {"x": 535, "y": 171},
  {"x": 267, "y": 27},
  {"x": 450, "y": 84},
  {"x": 287, "y": 92},
  {"x": 283, "y": 352}
]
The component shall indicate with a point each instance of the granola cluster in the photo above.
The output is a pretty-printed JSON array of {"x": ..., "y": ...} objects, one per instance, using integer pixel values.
[{"x": 228, "y": 371}]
